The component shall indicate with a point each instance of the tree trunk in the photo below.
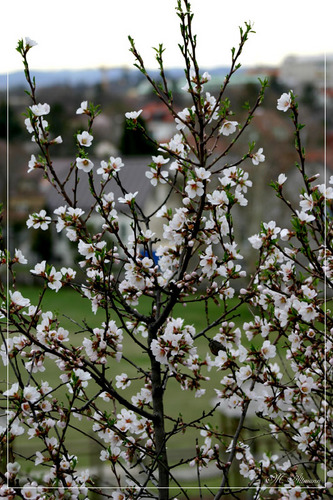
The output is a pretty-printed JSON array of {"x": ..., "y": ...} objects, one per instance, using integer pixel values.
[{"x": 158, "y": 408}]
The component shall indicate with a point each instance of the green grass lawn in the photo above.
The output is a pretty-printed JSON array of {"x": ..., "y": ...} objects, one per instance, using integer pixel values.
[{"x": 67, "y": 305}]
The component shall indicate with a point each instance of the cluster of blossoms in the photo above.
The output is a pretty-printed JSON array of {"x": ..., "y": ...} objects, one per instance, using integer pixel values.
[
  {"x": 213, "y": 230},
  {"x": 176, "y": 342},
  {"x": 119, "y": 437},
  {"x": 206, "y": 453},
  {"x": 39, "y": 220},
  {"x": 177, "y": 146},
  {"x": 38, "y": 127},
  {"x": 55, "y": 279},
  {"x": 196, "y": 81},
  {"x": 74, "y": 482},
  {"x": 156, "y": 174},
  {"x": 138, "y": 273},
  {"x": 293, "y": 302},
  {"x": 69, "y": 218},
  {"x": 106, "y": 341},
  {"x": 108, "y": 169}
]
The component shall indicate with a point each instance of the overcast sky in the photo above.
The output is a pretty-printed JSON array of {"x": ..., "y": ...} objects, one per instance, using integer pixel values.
[{"x": 84, "y": 34}]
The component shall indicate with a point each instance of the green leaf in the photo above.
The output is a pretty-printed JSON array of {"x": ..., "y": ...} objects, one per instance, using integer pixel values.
[{"x": 20, "y": 46}]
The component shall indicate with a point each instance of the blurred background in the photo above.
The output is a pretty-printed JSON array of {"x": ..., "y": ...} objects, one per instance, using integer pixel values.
[{"x": 83, "y": 54}]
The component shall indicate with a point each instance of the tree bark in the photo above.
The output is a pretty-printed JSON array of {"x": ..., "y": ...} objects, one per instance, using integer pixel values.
[{"x": 158, "y": 410}]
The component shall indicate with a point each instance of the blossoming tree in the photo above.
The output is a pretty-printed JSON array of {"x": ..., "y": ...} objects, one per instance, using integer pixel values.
[{"x": 278, "y": 365}]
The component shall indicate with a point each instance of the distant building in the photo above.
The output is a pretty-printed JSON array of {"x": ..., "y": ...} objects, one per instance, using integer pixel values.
[
  {"x": 160, "y": 121},
  {"x": 298, "y": 71}
]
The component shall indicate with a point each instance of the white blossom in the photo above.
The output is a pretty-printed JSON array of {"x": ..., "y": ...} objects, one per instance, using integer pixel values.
[
  {"x": 256, "y": 241},
  {"x": 13, "y": 391},
  {"x": 133, "y": 115},
  {"x": 40, "y": 109},
  {"x": 156, "y": 176},
  {"x": 228, "y": 128},
  {"x": 83, "y": 108},
  {"x": 194, "y": 188},
  {"x": 84, "y": 164},
  {"x": 30, "y": 491},
  {"x": 18, "y": 299},
  {"x": 19, "y": 257},
  {"x": 122, "y": 381},
  {"x": 39, "y": 268},
  {"x": 244, "y": 373},
  {"x": 284, "y": 102},
  {"x": 29, "y": 42},
  {"x": 182, "y": 119},
  {"x": 306, "y": 384},
  {"x": 85, "y": 139},
  {"x": 208, "y": 261},
  {"x": 128, "y": 198},
  {"x": 306, "y": 202},
  {"x": 268, "y": 350},
  {"x": 31, "y": 394},
  {"x": 258, "y": 157},
  {"x": 57, "y": 140},
  {"x": 33, "y": 164},
  {"x": 304, "y": 217},
  {"x": 282, "y": 179}
]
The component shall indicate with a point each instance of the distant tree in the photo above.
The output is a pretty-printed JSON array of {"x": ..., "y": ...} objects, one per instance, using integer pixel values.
[
  {"x": 14, "y": 127},
  {"x": 59, "y": 121},
  {"x": 308, "y": 95},
  {"x": 251, "y": 92},
  {"x": 132, "y": 141},
  {"x": 60, "y": 125},
  {"x": 41, "y": 244},
  {"x": 275, "y": 85}
]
